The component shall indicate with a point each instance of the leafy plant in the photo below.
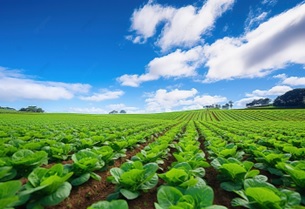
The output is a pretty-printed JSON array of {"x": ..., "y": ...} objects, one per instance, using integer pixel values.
[
  {"x": 106, "y": 153},
  {"x": 132, "y": 178},
  {"x": 198, "y": 196},
  {"x": 84, "y": 163},
  {"x": 59, "y": 150},
  {"x": 297, "y": 176},
  {"x": 267, "y": 160},
  {"x": 182, "y": 175},
  {"x": 24, "y": 161},
  {"x": 194, "y": 160},
  {"x": 114, "y": 204},
  {"x": 47, "y": 187},
  {"x": 232, "y": 172},
  {"x": 259, "y": 194}
]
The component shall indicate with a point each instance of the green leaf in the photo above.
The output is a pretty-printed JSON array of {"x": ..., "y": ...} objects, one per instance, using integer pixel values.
[
  {"x": 151, "y": 183},
  {"x": 252, "y": 173},
  {"x": 80, "y": 180},
  {"x": 8, "y": 192},
  {"x": 7, "y": 173},
  {"x": 130, "y": 195},
  {"x": 175, "y": 176},
  {"x": 262, "y": 195},
  {"x": 231, "y": 186},
  {"x": 239, "y": 202},
  {"x": 132, "y": 179},
  {"x": 115, "y": 204},
  {"x": 116, "y": 174},
  {"x": 203, "y": 196},
  {"x": 150, "y": 169},
  {"x": 95, "y": 176},
  {"x": 58, "y": 196},
  {"x": 168, "y": 196},
  {"x": 291, "y": 197}
]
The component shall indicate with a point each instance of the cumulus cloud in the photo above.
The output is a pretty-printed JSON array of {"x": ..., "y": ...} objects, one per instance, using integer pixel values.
[
  {"x": 174, "y": 65},
  {"x": 274, "y": 91},
  {"x": 292, "y": 81},
  {"x": 272, "y": 45},
  {"x": 181, "y": 26},
  {"x": 16, "y": 86},
  {"x": 257, "y": 94},
  {"x": 104, "y": 94},
  {"x": 163, "y": 100}
]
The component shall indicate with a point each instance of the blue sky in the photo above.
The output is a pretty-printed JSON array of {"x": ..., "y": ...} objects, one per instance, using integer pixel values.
[{"x": 148, "y": 56}]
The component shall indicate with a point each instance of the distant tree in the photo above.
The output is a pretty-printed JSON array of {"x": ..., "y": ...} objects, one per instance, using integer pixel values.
[
  {"x": 226, "y": 106},
  {"x": 293, "y": 98},
  {"x": 113, "y": 112},
  {"x": 217, "y": 106},
  {"x": 259, "y": 102},
  {"x": 7, "y": 108},
  {"x": 122, "y": 111},
  {"x": 230, "y": 104},
  {"x": 32, "y": 109}
]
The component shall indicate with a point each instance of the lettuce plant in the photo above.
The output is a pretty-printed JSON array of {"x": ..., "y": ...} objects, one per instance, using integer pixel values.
[
  {"x": 84, "y": 163},
  {"x": 47, "y": 187},
  {"x": 198, "y": 196},
  {"x": 132, "y": 178},
  {"x": 259, "y": 194},
  {"x": 24, "y": 161},
  {"x": 267, "y": 160},
  {"x": 232, "y": 172},
  {"x": 114, "y": 204},
  {"x": 194, "y": 160},
  {"x": 153, "y": 155},
  {"x": 106, "y": 153},
  {"x": 59, "y": 150},
  {"x": 182, "y": 175},
  {"x": 296, "y": 172}
]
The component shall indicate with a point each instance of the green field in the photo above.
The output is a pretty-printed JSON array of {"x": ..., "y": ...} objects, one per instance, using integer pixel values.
[{"x": 247, "y": 158}]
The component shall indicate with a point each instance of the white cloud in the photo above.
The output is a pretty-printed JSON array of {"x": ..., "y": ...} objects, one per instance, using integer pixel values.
[
  {"x": 105, "y": 110},
  {"x": 252, "y": 20},
  {"x": 87, "y": 110},
  {"x": 104, "y": 94},
  {"x": 121, "y": 106},
  {"x": 163, "y": 100},
  {"x": 269, "y": 2},
  {"x": 272, "y": 45},
  {"x": 292, "y": 81},
  {"x": 243, "y": 102},
  {"x": 182, "y": 27},
  {"x": 177, "y": 64},
  {"x": 16, "y": 86},
  {"x": 274, "y": 91},
  {"x": 257, "y": 94}
]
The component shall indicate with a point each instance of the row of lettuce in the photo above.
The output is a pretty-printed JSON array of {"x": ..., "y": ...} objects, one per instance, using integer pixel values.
[
  {"x": 47, "y": 180},
  {"x": 183, "y": 185},
  {"x": 241, "y": 151}
]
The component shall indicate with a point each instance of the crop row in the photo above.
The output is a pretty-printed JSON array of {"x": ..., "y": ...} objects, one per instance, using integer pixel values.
[{"x": 235, "y": 153}]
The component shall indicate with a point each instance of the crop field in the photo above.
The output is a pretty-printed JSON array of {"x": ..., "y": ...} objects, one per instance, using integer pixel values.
[{"x": 205, "y": 159}]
